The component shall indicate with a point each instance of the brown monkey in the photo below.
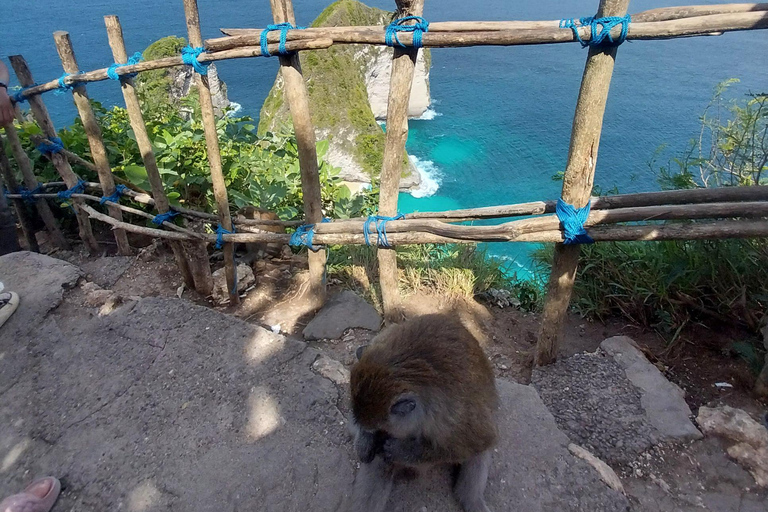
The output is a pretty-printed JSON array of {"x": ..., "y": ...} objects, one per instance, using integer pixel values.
[
  {"x": 423, "y": 393},
  {"x": 260, "y": 250}
]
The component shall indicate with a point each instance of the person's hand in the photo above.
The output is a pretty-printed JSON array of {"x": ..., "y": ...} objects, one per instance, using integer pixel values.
[{"x": 6, "y": 109}]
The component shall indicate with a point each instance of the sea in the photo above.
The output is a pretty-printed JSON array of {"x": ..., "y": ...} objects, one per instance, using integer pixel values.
[{"x": 499, "y": 125}]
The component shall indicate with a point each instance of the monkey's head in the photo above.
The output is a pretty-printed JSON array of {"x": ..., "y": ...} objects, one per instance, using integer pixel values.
[{"x": 388, "y": 398}]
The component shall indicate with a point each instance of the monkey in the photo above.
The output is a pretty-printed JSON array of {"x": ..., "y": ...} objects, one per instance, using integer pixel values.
[
  {"x": 259, "y": 250},
  {"x": 423, "y": 393}
]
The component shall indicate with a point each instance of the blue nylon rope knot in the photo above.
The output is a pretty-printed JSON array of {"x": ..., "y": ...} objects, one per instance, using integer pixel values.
[
  {"x": 220, "y": 232},
  {"x": 573, "y": 220},
  {"x": 189, "y": 55},
  {"x": 599, "y": 28},
  {"x": 133, "y": 59},
  {"x": 304, "y": 235},
  {"x": 396, "y": 26},
  {"x": 56, "y": 146},
  {"x": 115, "y": 197},
  {"x": 380, "y": 223},
  {"x": 283, "y": 28},
  {"x": 18, "y": 96},
  {"x": 77, "y": 188},
  {"x": 64, "y": 86},
  {"x": 29, "y": 195},
  {"x": 164, "y": 217}
]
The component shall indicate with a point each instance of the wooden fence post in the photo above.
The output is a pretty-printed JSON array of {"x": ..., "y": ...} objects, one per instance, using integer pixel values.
[
  {"x": 401, "y": 80},
  {"x": 21, "y": 209},
  {"x": 93, "y": 132},
  {"x": 192, "y": 262},
  {"x": 297, "y": 96},
  {"x": 40, "y": 114},
  {"x": 30, "y": 181},
  {"x": 578, "y": 181},
  {"x": 214, "y": 154}
]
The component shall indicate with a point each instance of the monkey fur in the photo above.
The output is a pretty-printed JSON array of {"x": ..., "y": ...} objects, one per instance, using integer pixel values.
[{"x": 423, "y": 393}]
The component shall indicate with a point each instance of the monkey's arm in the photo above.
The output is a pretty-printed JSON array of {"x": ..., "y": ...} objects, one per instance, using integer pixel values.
[{"x": 372, "y": 486}]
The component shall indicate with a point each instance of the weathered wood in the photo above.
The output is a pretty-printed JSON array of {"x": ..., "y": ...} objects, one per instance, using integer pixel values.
[
  {"x": 690, "y": 11},
  {"x": 40, "y": 113},
  {"x": 30, "y": 181},
  {"x": 214, "y": 155},
  {"x": 11, "y": 184},
  {"x": 297, "y": 97},
  {"x": 401, "y": 80},
  {"x": 99, "y": 75},
  {"x": 202, "y": 280},
  {"x": 719, "y": 229},
  {"x": 516, "y": 33},
  {"x": 93, "y": 132},
  {"x": 578, "y": 181}
]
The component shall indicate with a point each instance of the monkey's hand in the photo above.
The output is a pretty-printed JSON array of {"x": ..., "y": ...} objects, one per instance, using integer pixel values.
[
  {"x": 365, "y": 445},
  {"x": 403, "y": 451}
]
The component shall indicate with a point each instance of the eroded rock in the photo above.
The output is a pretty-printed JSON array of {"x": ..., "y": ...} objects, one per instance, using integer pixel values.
[{"x": 245, "y": 278}]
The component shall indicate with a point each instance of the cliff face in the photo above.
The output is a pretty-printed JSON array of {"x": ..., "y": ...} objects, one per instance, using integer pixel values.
[{"x": 348, "y": 88}]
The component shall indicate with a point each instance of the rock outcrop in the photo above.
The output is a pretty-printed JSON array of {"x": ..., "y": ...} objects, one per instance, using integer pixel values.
[{"x": 348, "y": 87}]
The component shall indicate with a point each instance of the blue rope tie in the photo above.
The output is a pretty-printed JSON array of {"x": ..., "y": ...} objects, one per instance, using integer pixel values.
[
  {"x": 396, "y": 26},
  {"x": 304, "y": 235},
  {"x": 18, "y": 96},
  {"x": 64, "y": 86},
  {"x": 600, "y": 29},
  {"x": 283, "y": 28},
  {"x": 164, "y": 217},
  {"x": 56, "y": 146},
  {"x": 78, "y": 188},
  {"x": 380, "y": 223},
  {"x": 134, "y": 59},
  {"x": 220, "y": 232},
  {"x": 115, "y": 197},
  {"x": 573, "y": 220},
  {"x": 189, "y": 55},
  {"x": 29, "y": 195}
]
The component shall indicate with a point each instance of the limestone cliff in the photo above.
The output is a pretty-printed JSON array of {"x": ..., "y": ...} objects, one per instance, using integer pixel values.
[{"x": 348, "y": 88}]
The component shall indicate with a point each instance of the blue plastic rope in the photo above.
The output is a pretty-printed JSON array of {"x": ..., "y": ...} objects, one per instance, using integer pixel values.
[
  {"x": 220, "y": 232},
  {"x": 380, "y": 223},
  {"x": 64, "y": 86},
  {"x": 29, "y": 195},
  {"x": 283, "y": 28},
  {"x": 56, "y": 146},
  {"x": 134, "y": 59},
  {"x": 189, "y": 55},
  {"x": 417, "y": 28},
  {"x": 115, "y": 197},
  {"x": 304, "y": 235},
  {"x": 600, "y": 29},
  {"x": 573, "y": 220},
  {"x": 78, "y": 188},
  {"x": 18, "y": 96},
  {"x": 164, "y": 217}
]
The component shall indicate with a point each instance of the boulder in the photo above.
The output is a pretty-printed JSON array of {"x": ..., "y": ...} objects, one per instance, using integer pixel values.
[{"x": 344, "y": 311}]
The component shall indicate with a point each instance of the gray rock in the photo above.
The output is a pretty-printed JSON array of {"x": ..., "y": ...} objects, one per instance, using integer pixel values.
[
  {"x": 107, "y": 270},
  {"x": 344, "y": 311},
  {"x": 332, "y": 370},
  {"x": 662, "y": 400},
  {"x": 245, "y": 278}
]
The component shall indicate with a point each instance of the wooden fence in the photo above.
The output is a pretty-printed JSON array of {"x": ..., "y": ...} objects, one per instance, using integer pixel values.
[{"x": 733, "y": 212}]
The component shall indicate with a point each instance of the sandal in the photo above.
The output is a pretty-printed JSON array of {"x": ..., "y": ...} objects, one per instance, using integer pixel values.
[
  {"x": 39, "y": 496},
  {"x": 9, "y": 301}
]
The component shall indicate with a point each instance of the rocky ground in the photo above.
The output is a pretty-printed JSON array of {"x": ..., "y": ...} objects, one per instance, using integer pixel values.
[{"x": 142, "y": 401}]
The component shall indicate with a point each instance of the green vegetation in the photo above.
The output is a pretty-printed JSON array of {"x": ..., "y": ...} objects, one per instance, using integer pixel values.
[
  {"x": 154, "y": 87},
  {"x": 669, "y": 286},
  {"x": 338, "y": 94},
  {"x": 453, "y": 269}
]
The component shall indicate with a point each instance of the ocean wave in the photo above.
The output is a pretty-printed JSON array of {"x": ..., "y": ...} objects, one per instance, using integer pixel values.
[
  {"x": 428, "y": 115},
  {"x": 431, "y": 177},
  {"x": 234, "y": 108}
]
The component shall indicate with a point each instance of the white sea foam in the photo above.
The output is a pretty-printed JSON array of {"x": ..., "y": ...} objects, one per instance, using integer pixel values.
[
  {"x": 428, "y": 115},
  {"x": 234, "y": 108},
  {"x": 431, "y": 177}
]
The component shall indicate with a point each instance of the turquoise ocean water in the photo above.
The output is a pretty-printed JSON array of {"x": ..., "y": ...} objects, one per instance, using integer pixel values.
[{"x": 500, "y": 124}]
